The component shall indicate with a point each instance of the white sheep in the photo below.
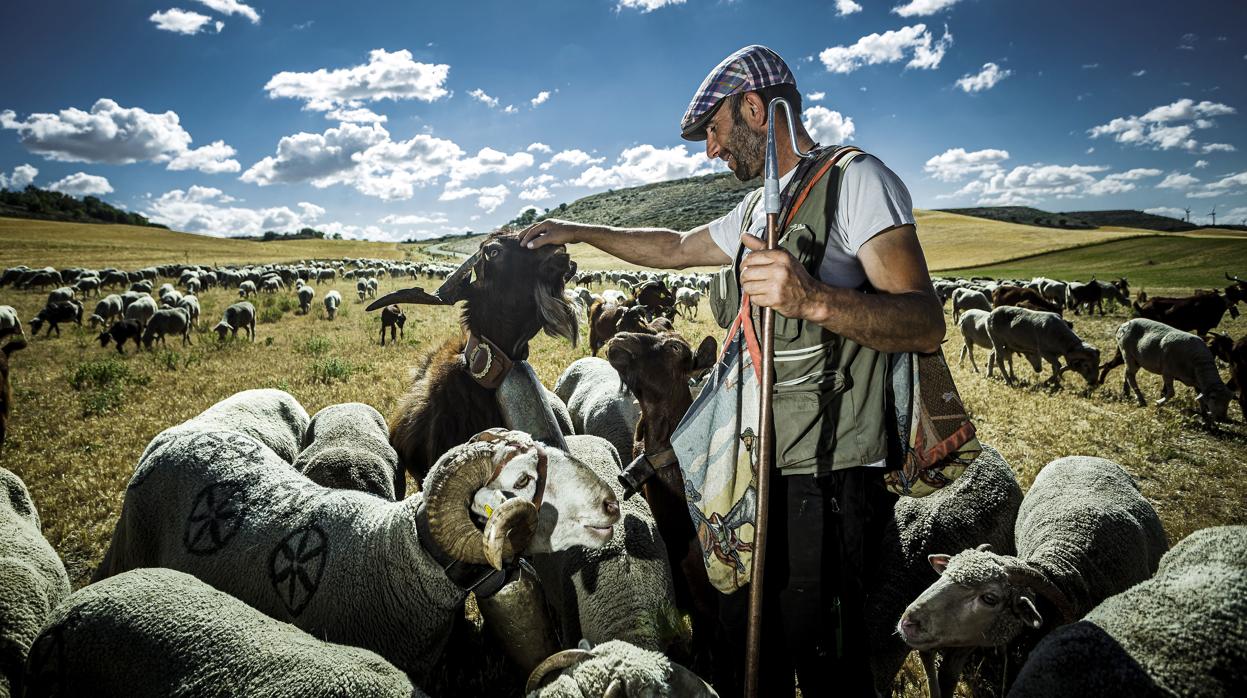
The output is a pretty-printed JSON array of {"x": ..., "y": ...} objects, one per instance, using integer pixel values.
[
  {"x": 1180, "y": 633},
  {"x": 969, "y": 299},
  {"x": 1083, "y": 533},
  {"x": 168, "y": 321},
  {"x": 9, "y": 322},
  {"x": 332, "y": 301},
  {"x": 347, "y": 446},
  {"x": 614, "y": 668},
  {"x": 306, "y": 294},
  {"x": 973, "y": 326},
  {"x": 247, "y": 289},
  {"x": 599, "y": 403},
  {"x": 1174, "y": 354},
  {"x": 106, "y": 309},
  {"x": 32, "y": 580},
  {"x": 212, "y": 500},
  {"x": 238, "y": 316},
  {"x": 158, "y": 632},
  {"x": 141, "y": 310},
  {"x": 1039, "y": 336},
  {"x": 686, "y": 299},
  {"x": 191, "y": 305}
]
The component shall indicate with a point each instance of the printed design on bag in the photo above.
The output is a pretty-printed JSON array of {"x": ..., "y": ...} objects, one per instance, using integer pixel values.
[
  {"x": 215, "y": 517},
  {"x": 297, "y": 565}
]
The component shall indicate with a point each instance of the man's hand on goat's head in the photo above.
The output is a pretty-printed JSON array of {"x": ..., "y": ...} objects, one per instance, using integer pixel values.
[
  {"x": 551, "y": 231},
  {"x": 775, "y": 279}
]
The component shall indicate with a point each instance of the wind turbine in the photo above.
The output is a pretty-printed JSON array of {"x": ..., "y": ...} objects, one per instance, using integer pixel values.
[
  {"x": 1188, "y": 215},
  {"x": 1214, "y": 216}
]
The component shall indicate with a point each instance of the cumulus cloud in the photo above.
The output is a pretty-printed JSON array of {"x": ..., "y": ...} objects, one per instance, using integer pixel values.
[
  {"x": 180, "y": 21},
  {"x": 922, "y": 8},
  {"x": 386, "y": 75},
  {"x": 538, "y": 193},
  {"x": 1169, "y": 211},
  {"x": 1201, "y": 164},
  {"x": 985, "y": 79},
  {"x": 509, "y": 109},
  {"x": 540, "y": 99},
  {"x": 645, "y": 5},
  {"x": 847, "y": 7},
  {"x": 645, "y": 164},
  {"x": 356, "y": 116},
  {"x": 955, "y": 164},
  {"x": 1139, "y": 73},
  {"x": 1217, "y": 148},
  {"x": 1229, "y": 185},
  {"x": 538, "y": 148},
  {"x": 82, "y": 184},
  {"x": 815, "y": 96},
  {"x": 827, "y": 126},
  {"x": 316, "y": 157},
  {"x": 571, "y": 158},
  {"x": 536, "y": 180},
  {"x": 203, "y": 210},
  {"x": 414, "y": 219},
  {"x": 23, "y": 176},
  {"x": 1121, "y": 182},
  {"x": 1178, "y": 180},
  {"x": 232, "y": 7},
  {"x": 117, "y": 135},
  {"x": 479, "y": 95},
  {"x": 1166, "y": 127},
  {"x": 487, "y": 198},
  {"x": 489, "y": 161},
  {"x": 889, "y": 47}
]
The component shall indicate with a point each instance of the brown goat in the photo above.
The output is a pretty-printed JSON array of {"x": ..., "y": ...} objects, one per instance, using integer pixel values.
[
  {"x": 6, "y": 393},
  {"x": 606, "y": 319},
  {"x": 509, "y": 294},
  {"x": 1023, "y": 297},
  {"x": 657, "y": 369},
  {"x": 392, "y": 318}
]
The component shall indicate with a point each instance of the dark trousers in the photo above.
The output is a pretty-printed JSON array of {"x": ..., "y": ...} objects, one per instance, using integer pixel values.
[{"x": 824, "y": 534}]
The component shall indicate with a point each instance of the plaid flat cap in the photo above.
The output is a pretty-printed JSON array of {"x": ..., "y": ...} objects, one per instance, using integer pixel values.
[{"x": 750, "y": 68}]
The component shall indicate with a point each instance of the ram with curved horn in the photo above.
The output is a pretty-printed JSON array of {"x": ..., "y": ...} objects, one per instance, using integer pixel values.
[{"x": 614, "y": 669}]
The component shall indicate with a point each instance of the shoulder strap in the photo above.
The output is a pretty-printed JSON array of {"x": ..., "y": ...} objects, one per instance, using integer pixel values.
[{"x": 751, "y": 203}]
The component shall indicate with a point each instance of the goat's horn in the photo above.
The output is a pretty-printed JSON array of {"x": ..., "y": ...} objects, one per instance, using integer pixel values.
[
  {"x": 450, "y": 287},
  {"x": 1040, "y": 583},
  {"x": 406, "y": 295},
  {"x": 616, "y": 689},
  {"x": 449, "y": 487},
  {"x": 554, "y": 663}
]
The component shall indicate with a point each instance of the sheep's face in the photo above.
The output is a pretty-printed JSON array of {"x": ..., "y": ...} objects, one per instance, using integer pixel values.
[
  {"x": 577, "y": 507},
  {"x": 972, "y": 604},
  {"x": 222, "y": 328},
  {"x": 1216, "y": 402},
  {"x": 1085, "y": 361}
]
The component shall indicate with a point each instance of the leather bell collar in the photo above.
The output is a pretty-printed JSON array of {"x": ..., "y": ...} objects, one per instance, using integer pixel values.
[{"x": 487, "y": 363}]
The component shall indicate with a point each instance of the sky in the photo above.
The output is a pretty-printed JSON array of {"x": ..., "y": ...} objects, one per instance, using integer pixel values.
[{"x": 394, "y": 120}]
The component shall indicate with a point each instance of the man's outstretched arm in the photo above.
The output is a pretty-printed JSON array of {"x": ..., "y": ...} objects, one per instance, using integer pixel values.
[{"x": 649, "y": 247}]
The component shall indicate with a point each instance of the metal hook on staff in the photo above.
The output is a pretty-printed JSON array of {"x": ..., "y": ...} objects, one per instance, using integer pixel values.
[{"x": 771, "y": 205}]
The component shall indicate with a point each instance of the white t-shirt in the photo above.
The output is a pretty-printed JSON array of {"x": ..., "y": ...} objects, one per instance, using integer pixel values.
[{"x": 872, "y": 200}]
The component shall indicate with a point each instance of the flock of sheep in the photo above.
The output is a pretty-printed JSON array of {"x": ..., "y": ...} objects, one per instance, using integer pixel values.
[{"x": 263, "y": 551}]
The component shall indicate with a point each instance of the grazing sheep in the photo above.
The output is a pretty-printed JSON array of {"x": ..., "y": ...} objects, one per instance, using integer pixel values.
[
  {"x": 171, "y": 297},
  {"x": 1039, "y": 336},
  {"x": 9, "y": 322},
  {"x": 32, "y": 578},
  {"x": 306, "y": 294},
  {"x": 191, "y": 305},
  {"x": 247, "y": 289},
  {"x": 272, "y": 284},
  {"x": 973, "y": 326},
  {"x": 237, "y": 316},
  {"x": 63, "y": 294},
  {"x": 969, "y": 299},
  {"x": 54, "y": 314},
  {"x": 372, "y": 287},
  {"x": 333, "y": 299},
  {"x": 1233, "y": 353},
  {"x": 1083, "y": 533},
  {"x": 6, "y": 391},
  {"x": 1174, "y": 354},
  {"x": 347, "y": 447},
  {"x": 392, "y": 318},
  {"x": 216, "y": 502},
  {"x": 166, "y": 321},
  {"x": 108, "y": 308},
  {"x": 143, "y": 286},
  {"x": 980, "y": 507},
  {"x": 193, "y": 285},
  {"x": 87, "y": 284},
  {"x": 361, "y": 288},
  {"x": 686, "y": 299},
  {"x": 158, "y": 632},
  {"x": 120, "y": 332},
  {"x": 616, "y": 669},
  {"x": 141, "y": 310},
  {"x": 1180, "y": 633},
  {"x": 599, "y": 402},
  {"x": 128, "y": 298}
]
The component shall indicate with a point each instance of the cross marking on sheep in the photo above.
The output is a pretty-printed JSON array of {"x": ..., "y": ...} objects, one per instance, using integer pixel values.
[
  {"x": 214, "y": 518},
  {"x": 298, "y": 563}
]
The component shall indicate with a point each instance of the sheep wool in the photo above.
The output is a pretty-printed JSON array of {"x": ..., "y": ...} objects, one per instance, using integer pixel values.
[
  {"x": 1183, "y": 632},
  {"x": 32, "y": 580},
  {"x": 599, "y": 402},
  {"x": 157, "y": 632},
  {"x": 347, "y": 446},
  {"x": 640, "y": 672}
]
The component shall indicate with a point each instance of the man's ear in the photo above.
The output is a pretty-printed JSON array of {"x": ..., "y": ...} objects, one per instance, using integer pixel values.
[{"x": 753, "y": 109}]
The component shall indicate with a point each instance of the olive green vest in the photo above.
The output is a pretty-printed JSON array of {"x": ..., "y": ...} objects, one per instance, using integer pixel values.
[{"x": 830, "y": 392}]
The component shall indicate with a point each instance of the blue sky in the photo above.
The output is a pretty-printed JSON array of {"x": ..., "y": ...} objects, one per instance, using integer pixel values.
[{"x": 389, "y": 120}]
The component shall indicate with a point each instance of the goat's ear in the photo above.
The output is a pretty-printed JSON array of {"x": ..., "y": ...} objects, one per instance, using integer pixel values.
[
  {"x": 1025, "y": 608},
  {"x": 406, "y": 295},
  {"x": 939, "y": 562},
  {"x": 706, "y": 353}
]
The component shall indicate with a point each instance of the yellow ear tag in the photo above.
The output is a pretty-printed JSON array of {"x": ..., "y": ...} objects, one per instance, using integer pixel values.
[{"x": 489, "y": 511}]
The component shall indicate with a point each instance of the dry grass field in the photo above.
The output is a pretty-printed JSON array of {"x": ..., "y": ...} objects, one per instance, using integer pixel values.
[{"x": 83, "y": 414}]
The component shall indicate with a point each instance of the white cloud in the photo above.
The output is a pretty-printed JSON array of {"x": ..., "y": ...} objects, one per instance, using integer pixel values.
[
  {"x": 646, "y": 5},
  {"x": 316, "y": 157},
  {"x": 955, "y": 164},
  {"x": 1090, "y": 66},
  {"x": 541, "y": 98},
  {"x": 1201, "y": 164},
  {"x": 23, "y": 176},
  {"x": 232, "y": 7},
  {"x": 1234, "y": 182},
  {"x": 1139, "y": 73},
  {"x": 82, "y": 184},
  {"x": 1178, "y": 180},
  {"x": 1160, "y": 128},
  {"x": 179, "y": 21},
  {"x": 538, "y": 193},
  {"x": 922, "y": 8},
  {"x": 572, "y": 158},
  {"x": 1121, "y": 182},
  {"x": 203, "y": 210},
  {"x": 815, "y": 96},
  {"x": 827, "y": 126},
  {"x": 509, "y": 109},
  {"x": 538, "y": 148},
  {"x": 1217, "y": 148},
  {"x": 386, "y": 76},
  {"x": 219, "y": 25},
  {"x": 1027, "y": 185},
  {"x": 1187, "y": 42},
  {"x": 985, "y": 79},
  {"x": 1169, "y": 211},
  {"x": 889, "y": 47},
  {"x": 846, "y": 7},
  {"x": 487, "y": 198},
  {"x": 414, "y": 219},
  {"x": 361, "y": 115},
  {"x": 116, "y": 135},
  {"x": 489, "y": 161},
  {"x": 645, "y": 164},
  {"x": 479, "y": 95}
]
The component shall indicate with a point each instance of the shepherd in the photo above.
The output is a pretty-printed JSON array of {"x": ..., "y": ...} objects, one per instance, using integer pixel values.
[{"x": 848, "y": 285}]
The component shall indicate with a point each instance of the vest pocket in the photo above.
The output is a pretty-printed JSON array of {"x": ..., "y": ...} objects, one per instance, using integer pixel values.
[
  {"x": 807, "y": 420},
  {"x": 724, "y": 297},
  {"x": 799, "y": 240}
]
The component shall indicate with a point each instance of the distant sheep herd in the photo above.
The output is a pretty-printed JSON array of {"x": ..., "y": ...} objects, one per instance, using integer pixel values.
[{"x": 263, "y": 551}]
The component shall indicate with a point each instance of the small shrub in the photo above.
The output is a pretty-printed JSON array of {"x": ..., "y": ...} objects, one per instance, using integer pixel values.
[
  {"x": 270, "y": 315},
  {"x": 314, "y": 346},
  {"x": 102, "y": 384},
  {"x": 166, "y": 359},
  {"x": 101, "y": 400},
  {"x": 332, "y": 369}
]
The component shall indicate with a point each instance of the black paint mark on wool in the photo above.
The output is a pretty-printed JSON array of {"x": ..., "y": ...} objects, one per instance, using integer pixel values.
[
  {"x": 297, "y": 565},
  {"x": 214, "y": 518}
]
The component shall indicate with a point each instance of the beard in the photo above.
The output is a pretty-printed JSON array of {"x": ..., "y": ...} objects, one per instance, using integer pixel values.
[
  {"x": 558, "y": 317},
  {"x": 747, "y": 147}
]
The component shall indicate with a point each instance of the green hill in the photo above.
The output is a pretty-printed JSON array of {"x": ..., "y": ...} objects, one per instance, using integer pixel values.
[
  {"x": 1078, "y": 220},
  {"x": 681, "y": 204}
]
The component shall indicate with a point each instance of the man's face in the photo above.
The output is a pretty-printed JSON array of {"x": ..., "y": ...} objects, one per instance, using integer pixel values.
[{"x": 729, "y": 138}]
